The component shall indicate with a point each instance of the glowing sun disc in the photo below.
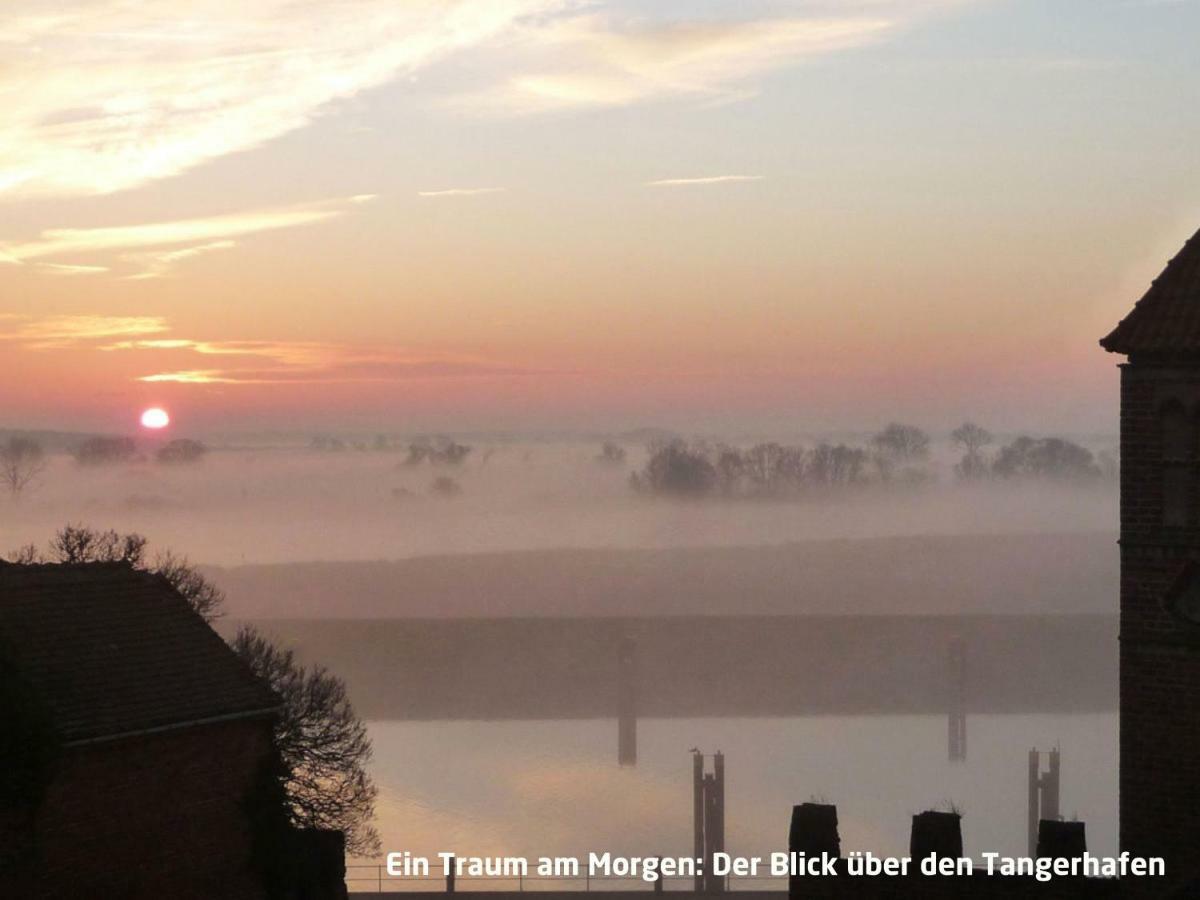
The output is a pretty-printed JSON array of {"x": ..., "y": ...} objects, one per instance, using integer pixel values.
[{"x": 155, "y": 418}]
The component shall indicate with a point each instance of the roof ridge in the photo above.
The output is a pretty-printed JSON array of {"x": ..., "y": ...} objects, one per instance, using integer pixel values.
[
  {"x": 48, "y": 565},
  {"x": 1166, "y": 320}
]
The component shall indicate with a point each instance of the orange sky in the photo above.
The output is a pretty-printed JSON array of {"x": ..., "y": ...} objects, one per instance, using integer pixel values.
[{"x": 534, "y": 213}]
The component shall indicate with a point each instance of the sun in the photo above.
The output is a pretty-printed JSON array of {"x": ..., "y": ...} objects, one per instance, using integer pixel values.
[{"x": 155, "y": 417}]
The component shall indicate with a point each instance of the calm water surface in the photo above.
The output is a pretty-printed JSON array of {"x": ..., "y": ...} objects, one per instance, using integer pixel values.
[{"x": 534, "y": 788}]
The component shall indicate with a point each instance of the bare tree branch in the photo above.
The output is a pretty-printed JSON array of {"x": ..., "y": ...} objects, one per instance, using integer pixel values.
[
  {"x": 322, "y": 742},
  {"x": 21, "y": 461},
  {"x": 79, "y": 544}
]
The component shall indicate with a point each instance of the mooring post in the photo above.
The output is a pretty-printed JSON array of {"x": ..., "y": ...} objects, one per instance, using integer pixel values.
[
  {"x": 718, "y": 820},
  {"x": 698, "y": 814},
  {"x": 1050, "y": 783},
  {"x": 1034, "y": 815},
  {"x": 1044, "y": 796},
  {"x": 957, "y": 694},
  {"x": 627, "y": 703}
]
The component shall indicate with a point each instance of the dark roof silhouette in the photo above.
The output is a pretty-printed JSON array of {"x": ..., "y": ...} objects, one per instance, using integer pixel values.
[
  {"x": 1167, "y": 319},
  {"x": 113, "y": 651}
]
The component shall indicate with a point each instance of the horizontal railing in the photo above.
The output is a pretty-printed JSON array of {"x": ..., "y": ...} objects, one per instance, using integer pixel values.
[{"x": 374, "y": 878}]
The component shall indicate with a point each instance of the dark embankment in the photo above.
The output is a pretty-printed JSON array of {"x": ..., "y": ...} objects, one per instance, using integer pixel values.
[
  {"x": 713, "y": 666},
  {"x": 937, "y": 575}
]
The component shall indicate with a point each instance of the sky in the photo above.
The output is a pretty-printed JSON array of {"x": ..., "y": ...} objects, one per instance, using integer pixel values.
[{"x": 409, "y": 215}]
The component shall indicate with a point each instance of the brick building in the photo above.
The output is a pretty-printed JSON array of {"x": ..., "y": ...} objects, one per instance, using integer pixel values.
[
  {"x": 132, "y": 740},
  {"x": 1160, "y": 567}
]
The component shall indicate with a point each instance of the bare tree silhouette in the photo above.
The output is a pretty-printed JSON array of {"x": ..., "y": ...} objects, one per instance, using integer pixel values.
[
  {"x": 21, "y": 461},
  {"x": 80, "y": 544},
  {"x": 322, "y": 743},
  {"x": 972, "y": 439},
  {"x": 899, "y": 446}
]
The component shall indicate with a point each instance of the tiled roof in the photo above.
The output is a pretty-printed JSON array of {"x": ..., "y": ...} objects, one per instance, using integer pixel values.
[
  {"x": 111, "y": 651},
  {"x": 1167, "y": 319}
]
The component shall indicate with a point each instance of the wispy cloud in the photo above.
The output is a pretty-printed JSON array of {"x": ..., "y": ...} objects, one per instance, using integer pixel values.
[
  {"x": 110, "y": 94},
  {"x": 290, "y": 353},
  {"x": 183, "y": 360},
  {"x": 204, "y": 234},
  {"x": 67, "y": 269},
  {"x": 601, "y": 59},
  {"x": 56, "y": 241},
  {"x": 461, "y": 192},
  {"x": 106, "y": 95},
  {"x": 59, "y": 332},
  {"x": 710, "y": 179},
  {"x": 158, "y": 263},
  {"x": 346, "y": 372},
  {"x": 308, "y": 362}
]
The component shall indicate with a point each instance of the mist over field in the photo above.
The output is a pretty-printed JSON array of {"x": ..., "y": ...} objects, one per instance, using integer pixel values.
[
  {"x": 294, "y": 504},
  {"x": 566, "y": 511}
]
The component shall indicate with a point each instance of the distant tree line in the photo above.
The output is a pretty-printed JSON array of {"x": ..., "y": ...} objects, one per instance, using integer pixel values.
[
  {"x": 181, "y": 452},
  {"x": 23, "y": 459},
  {"x": 439, "y": 451},
  {"x": 682, "y": 469},
  {"x": 1046, "y": 458},
  {"x": 897, "y": 454},
  {"x": 1051, "y": 458},
  {"x": 325, "y": 443},
  {"x": 104, "y": 451},
  {"x": 107, "y": 451}
]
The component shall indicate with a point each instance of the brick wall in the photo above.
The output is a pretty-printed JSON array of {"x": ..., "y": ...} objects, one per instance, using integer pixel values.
[
  {"x": 151, "y": 817},
  {"x": 1160, "y": 657}
]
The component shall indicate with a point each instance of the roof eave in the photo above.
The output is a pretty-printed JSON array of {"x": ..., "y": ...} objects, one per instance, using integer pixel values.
[{"x": 176, "y": 726}]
